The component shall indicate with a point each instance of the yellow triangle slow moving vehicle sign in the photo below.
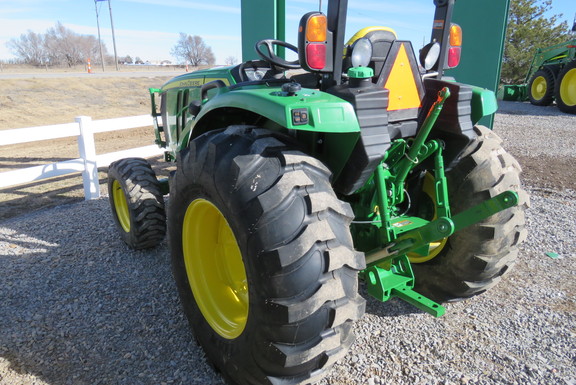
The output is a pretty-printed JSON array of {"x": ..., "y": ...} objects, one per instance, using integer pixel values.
[{"x": 401, "y": 84}]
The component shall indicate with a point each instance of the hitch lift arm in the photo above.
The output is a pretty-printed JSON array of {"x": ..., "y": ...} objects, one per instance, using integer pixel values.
[{"x": 388, "y": 271}]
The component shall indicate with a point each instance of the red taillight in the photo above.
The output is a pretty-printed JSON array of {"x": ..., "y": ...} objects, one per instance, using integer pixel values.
[
  {"x": 455, "y": 50},
  {"x": 454, "y": 56},
  {"x": 315, "y": 43},
  {"x": 316, "y": 56}
]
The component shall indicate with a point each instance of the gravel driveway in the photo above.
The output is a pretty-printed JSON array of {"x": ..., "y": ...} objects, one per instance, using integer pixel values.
[{"x": 78, "y": 307}]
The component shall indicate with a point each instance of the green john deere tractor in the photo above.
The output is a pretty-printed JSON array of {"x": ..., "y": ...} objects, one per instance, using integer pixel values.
[
  {"x": 296, "y": 178},
  {"x": 550, "y": 77}
]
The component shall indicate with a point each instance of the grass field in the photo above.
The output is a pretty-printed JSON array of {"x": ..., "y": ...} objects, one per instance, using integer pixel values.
[{"x": 36, "y": 102}]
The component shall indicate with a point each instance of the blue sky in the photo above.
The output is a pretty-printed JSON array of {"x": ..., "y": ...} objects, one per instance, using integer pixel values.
[{"x": 149, "y": 28}]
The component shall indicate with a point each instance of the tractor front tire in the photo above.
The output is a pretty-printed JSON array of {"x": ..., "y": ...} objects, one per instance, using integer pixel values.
[
  {"x": 262, "y": 257},
  {"x": 474, "y": 259},
  {"x": 137, "y": 203},
  {"x": 566, "y": 88},
  {"x": 541, "y": 88}
]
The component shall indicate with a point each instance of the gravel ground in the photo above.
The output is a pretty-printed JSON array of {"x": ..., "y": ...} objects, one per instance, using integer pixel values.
[{"x": 78, "y": 307}]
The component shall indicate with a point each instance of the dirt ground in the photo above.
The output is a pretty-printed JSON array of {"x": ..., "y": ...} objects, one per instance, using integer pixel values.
[{"x": 38, "y": 101}]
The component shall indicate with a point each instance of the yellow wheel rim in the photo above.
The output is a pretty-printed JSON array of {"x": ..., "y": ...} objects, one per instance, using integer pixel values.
[
  {"x": 435, "y": 247},
  {"x": 215, "y": 268},
  {"x": 121, "y": 206},
  {"x": 568, "y": 88},
  {"x": 539, "y": 88}
]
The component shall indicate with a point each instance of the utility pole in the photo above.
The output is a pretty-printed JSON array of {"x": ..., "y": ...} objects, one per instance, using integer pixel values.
[
  {"x": 113, "y": 37},
  {"x": 99, "y": 39}
]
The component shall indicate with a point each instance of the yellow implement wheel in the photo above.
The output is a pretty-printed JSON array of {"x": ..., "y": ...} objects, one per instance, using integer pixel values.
[
  {"x": 541, "y": 88},
  {"x": 121, "y": 206},
  {"x": 566, "y": 88},
  {"x": 435, "y": 247},
  {"x": 215, "y": 268}
]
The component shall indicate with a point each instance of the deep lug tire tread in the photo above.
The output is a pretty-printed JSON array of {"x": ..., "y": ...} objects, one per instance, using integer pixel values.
[
  {"x": 475, "y": 258},
  {"x": 294, "y": 236},
  {"x": 145, "y": 202}
]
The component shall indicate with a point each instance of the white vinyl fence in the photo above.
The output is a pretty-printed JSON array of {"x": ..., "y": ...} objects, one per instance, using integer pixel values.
[{"x": 84, "y": 128}]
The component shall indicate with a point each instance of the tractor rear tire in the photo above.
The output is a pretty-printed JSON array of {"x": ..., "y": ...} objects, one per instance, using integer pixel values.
[
  {"x": 137, "y": 203},
  {"x": 262, "y": 257},
  {"x": 474, "y": 259},
  {"x": 541, "y": 88},
  {"x": 565, "y": 92}
]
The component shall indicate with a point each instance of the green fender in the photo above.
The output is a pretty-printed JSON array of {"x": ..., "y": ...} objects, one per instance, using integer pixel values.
[
  {"x": 325, "y": 112},
  {"x": 484, "y": 103},
  {"x": 325, "y": 124}
]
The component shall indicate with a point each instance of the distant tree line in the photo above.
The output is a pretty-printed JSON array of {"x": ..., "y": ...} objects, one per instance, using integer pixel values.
[
  {"x": 59, "y": 46},
  {"x": 128, "y": 60}
]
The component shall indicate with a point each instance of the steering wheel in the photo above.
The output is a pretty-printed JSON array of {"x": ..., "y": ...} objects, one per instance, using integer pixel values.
[{"x": 272, "y": 58}]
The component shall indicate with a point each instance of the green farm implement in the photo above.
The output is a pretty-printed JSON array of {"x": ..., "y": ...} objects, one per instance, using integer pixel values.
[
  {"x": 550, "y": 77},
  {"x": 296, "y": 178}
]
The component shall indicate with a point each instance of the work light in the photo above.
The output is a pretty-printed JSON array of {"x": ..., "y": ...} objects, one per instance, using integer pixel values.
[
  {"x": 361, "y": 53},
  {"x": 429, "y": 55}
]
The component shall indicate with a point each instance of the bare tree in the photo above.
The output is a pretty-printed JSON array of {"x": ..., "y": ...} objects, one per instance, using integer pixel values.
[
  {"x": 30, "y": 48},
  {"x": 230, "y": 60},
  {"x": 69, "y": 47},
  {"x": 193, "y": 50},
  {"x": 59, "y": 45}
]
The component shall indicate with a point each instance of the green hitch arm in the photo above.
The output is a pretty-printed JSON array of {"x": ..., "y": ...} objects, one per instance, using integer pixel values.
[
  {"x": 406, "y": 164},
  {"x": 441, "y": 185},
  {"x": 437, "y": 229},
  {"x": 485, "y": 209},
  {"x": 443, "y": 227},
  {"x": 386, "y": 229}
]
